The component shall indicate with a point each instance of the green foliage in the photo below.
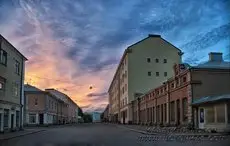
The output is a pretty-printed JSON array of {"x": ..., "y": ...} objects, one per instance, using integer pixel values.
[{"x": 87, "y": 118}]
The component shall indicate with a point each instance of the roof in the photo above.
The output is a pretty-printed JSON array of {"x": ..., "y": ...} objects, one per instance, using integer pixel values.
[
  {"x": 30, "y": 88},
  {"x": 13, "y": 47},
  {"x": 57, "y": 94},
  {"x": 208, "y": 99},
  {"x": 214, "y": 65}
]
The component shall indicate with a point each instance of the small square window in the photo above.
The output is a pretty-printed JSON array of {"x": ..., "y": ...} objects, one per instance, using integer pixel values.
[
  {"x": 157, "y": 60},
  {"x": 148, "y": 60},
  {"x": 165, "y": 60},
  {"x": 149, "y": 73},
  {"x": 157, "y": 74},
  {"x": 165, "y": 74}
]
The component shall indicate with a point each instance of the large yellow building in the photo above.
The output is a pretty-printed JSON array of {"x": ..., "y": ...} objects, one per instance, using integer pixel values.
[{"x": 143, "y": 66}]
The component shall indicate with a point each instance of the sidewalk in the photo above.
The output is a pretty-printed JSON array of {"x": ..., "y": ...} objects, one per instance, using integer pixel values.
[
  {"x": 11, "y": 135},
  {"x": 151, "y": 130}
]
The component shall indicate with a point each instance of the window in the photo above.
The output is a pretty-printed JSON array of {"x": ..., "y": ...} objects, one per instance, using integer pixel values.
[
  {"x": 49, "y": 103},
  {"x": 165, "y": 113},
  {"x": 148, "y": 60},
  {"x": 3, "y": 57},
  {"x": 125, "y": 74},
  {"x": 228, "y": 105},
  {"x": 220, "y": 113},
  {"x": 184, "y": 79},
  {"x": 185, "y": 109},
  {"x": 125, "y": 87},
  {"x": 123, "y": 90},
  {"x": 35, "y": 101},
  {"x": 209, "y": 116},
  {"x": 32, "y": 118},
  {"x": 17, "y": 67},
  {"x": 172, "y": 110},
  {"x": 2, "y": 86},
  {"x": 156, "y": 60},
  {"x": 153, "y": 114},
  {"x": 177, "y": 82},
  {"x": 158, "y": 113},
  {"x": 15, "y": 89},
  {"x": 157, "y": 74},
  {"x": 162, "y": 91},
  {"x": 6, "y": 118},
  {"x": 17, "y": 118},
  {"x": 165, "y": 60},
  {"x": 172, "y": 85},
  {"x": 165, "y": 74},
  {"x": 149, "y": 73}
]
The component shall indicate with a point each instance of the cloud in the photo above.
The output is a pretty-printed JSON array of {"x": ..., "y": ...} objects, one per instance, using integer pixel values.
[
  {"x": 72, "y": 45},
  {"x": 97, "y": 94}
]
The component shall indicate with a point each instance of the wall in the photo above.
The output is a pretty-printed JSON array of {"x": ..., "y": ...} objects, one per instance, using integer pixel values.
[
  {"x": 41, "y": 100},
  {"x": 215, "y": 80},
  {"x": 8, "y": 72},
  {"x": 138, "y": 67}
]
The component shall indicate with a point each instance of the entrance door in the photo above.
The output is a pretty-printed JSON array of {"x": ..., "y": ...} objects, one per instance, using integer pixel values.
[
  {"x": 41, "y": 118},
  {"x": 123, "y": 119},
  {"x": 12, "y": 121},
  {"x": 201, "y": 118},
  {"x": 178, "y": 111}
]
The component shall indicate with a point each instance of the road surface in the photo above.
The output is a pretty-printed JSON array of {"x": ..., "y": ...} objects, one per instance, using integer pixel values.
[{"x": 99, "y": 135}]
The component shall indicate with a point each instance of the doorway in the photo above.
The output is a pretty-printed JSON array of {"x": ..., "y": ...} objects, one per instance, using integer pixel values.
[
  {"x": 41, "y": 119},
  {"x": 12, "y": 121},
  {"x": 123, "y": 117},
  {"x": 201, "y": 118},
  {"x": 178, "y": 111}
]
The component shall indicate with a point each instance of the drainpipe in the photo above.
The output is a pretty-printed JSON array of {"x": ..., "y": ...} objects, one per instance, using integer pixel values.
[{"x": 22, "y": 94}]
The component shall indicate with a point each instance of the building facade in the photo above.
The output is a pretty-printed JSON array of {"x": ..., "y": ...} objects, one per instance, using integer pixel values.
[
  {"x": 196, "y": 96},
  {"x": 69, "y": 108},
  {"x": 105, "y": 114},
  {"x": 143, "y": 66},
  {"x": 42, "y": 108},
  {"x": 12, "y": 66}
]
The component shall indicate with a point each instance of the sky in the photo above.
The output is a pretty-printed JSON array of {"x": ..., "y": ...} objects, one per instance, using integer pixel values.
[{"x": 74, "y": 45}]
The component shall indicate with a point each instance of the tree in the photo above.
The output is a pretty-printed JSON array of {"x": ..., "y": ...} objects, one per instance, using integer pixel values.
[
  {"x": 80, "y": 113},
  {"x": 87, "y": 118}
]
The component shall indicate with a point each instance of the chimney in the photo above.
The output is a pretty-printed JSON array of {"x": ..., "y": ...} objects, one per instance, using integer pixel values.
[{"x": 215, "y": 56}]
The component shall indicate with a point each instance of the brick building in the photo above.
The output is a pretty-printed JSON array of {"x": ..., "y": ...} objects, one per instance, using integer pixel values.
[{"x": 172, "y": 103}]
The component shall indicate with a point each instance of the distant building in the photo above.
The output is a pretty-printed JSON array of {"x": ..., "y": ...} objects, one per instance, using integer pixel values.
[
  {"x": 12, "y": 69},
  {"x": 96, "y": 117},
  {"x": 70, "y": 112},
  {"x": 42, "y": 108},
  {"x": 143, "y": 66}
]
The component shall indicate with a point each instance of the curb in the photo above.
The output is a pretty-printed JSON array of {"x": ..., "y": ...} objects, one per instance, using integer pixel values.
[
  {"x": 22, "y": 135},
  {"x": 175, "y": 134},
  {"x": 139, "y": 131}
]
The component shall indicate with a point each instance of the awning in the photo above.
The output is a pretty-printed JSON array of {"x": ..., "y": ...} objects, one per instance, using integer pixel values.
[{"x": 208, "y": 99}]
